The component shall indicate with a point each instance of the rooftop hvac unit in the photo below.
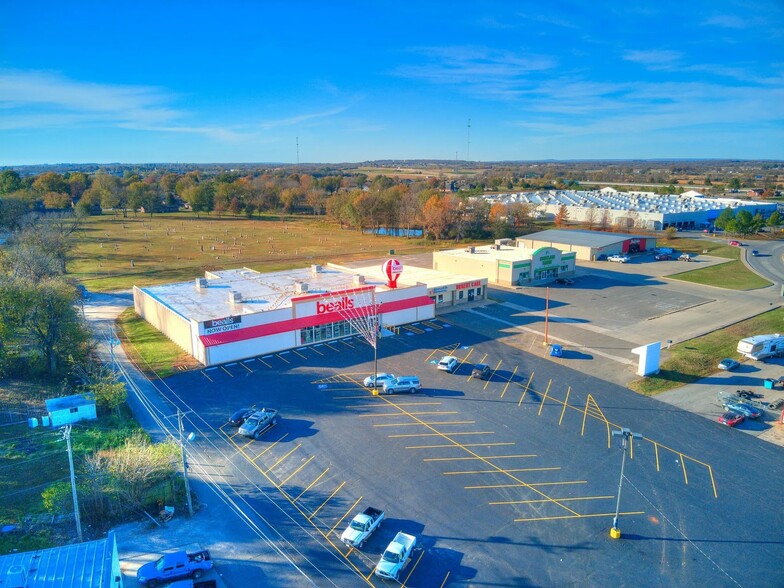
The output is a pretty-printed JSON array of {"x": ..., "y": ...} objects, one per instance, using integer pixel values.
[
  {"x": 201, "y": 284},
  {"x": 300, "y": 287},
  {"x": 315, "y": 269},
  {"x": 359, "y": 280},
  {"x": 15, "y": 577},
  {"x": 235, "y": 297}
]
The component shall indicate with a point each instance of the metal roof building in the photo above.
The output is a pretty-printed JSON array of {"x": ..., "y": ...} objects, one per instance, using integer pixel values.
[
  {"x": 92, "y": 564},
  {"x": 588, "y": 245}
]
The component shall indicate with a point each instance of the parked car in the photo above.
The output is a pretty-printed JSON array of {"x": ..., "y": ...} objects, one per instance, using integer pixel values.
[
  {"x": 736, "y": 243},
  {"x": 556, "y": 351},
  {"x": 362, "y": 526},
  {"x": 731, "y": 419},
  {"x": 396, "y": 556},
  {"x": 686, "y": 257},
  {"x": 239, "y": 417},
  {"x": 662, "y": 257},
  {"x": 728, "y": 364},
  {"x": 602, "y": 257},
  {"x": 747, "y": 410},
  {"x": 754, "y": 253},
  {"x": 448, "y": 363},
  {"x": 378, "y": 380},
  {"x": 619, "y": 258},
  {"x": 258, "y": 422},
  {"x": 174, "y": 566},
  {"x": 402, "y": 384},
  {"x": 481, "y": 371},
  {"x": 564, "y": 281}
]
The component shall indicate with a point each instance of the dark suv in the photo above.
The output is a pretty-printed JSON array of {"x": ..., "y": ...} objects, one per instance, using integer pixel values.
[{"x": 481, "y": 371}]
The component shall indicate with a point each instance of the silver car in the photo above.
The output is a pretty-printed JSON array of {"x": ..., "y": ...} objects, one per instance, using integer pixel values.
[
  {"x": 402, "y": 384},
  {"x": 258, "y": 422}
]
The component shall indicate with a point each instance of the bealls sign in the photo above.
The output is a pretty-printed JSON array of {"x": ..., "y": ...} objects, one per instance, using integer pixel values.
[
  {"x": 392, "y": 268},
  {"x": 344, "y": 303}
]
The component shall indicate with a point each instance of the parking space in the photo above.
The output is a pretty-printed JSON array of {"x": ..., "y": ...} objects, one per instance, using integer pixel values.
[{"x": 481, "y": 471}]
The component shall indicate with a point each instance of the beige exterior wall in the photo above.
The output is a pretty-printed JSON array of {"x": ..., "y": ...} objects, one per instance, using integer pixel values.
[{"x": 168, "y": 322}]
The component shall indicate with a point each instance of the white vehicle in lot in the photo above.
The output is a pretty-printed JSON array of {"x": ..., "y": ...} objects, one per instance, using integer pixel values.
[
  {"x": 378, "y": 380},
  {"x": 448, "y": 363},
  {"x": 402, "y": 384},
  {"x": 362, "y": 526},
  {"x": 619, "y": 258},
  {"x": 761, "y": 347},
  {"x": 258, "y": 422},
  {"x": 396, "y": 556}
]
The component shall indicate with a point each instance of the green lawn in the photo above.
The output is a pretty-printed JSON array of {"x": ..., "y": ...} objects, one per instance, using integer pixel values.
[
  {"x": 697, "y": 358},
  {"x": 154, "y": 353}
]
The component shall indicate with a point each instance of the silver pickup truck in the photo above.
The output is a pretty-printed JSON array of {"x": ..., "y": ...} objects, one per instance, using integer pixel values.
[{"x": 362, "y": 526}]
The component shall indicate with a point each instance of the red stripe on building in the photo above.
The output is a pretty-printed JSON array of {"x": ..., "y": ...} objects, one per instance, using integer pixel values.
[
  {"x": 331, "y": 295},
  {"x": 308, "y": 321}
]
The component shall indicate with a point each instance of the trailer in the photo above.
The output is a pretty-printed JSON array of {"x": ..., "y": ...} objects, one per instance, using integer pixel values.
[{"x": 761, "y": 347}]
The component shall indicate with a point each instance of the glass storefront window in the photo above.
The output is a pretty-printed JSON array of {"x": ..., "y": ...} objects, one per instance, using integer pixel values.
[{"x": 326, "y": 332}]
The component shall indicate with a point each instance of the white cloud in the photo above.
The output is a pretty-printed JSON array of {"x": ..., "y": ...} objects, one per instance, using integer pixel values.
[{"x": 654, "y": 59}]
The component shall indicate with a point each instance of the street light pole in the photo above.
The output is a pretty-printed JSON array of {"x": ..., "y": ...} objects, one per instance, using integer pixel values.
[
  {"x": 184, "y": 462},
  {"x": 627, "y": 434}
]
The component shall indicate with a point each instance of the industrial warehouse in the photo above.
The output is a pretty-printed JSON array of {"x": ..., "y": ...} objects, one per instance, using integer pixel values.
[
  {"x": 235, "y": 314},
  {"x": 588, "y": 245}
]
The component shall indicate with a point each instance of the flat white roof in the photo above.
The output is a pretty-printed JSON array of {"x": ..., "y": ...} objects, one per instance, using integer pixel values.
[
  {"x": 504, "y": 253},
  {"x": 263, "y": 292}
]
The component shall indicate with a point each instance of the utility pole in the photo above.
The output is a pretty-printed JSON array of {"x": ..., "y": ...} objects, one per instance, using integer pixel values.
[
  {"x": 297, "y": 151},
  {"x": 468, "y": 142},
  {"x": 184, "y": 463},
  {"x": 67, "y": 436}
]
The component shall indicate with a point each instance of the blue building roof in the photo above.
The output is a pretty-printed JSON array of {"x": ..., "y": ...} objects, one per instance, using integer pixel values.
[{"x": 81, "y": 565}]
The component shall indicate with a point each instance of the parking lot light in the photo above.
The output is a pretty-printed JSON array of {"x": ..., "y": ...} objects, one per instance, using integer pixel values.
[{"x": 615, "y": 532}]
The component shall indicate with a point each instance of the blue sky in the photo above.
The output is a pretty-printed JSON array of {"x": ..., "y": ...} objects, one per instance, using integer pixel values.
[{"x": 228, "y": 81}]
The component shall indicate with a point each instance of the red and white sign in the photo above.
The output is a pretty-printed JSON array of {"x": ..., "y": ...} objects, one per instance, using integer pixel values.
[
  {"x": 392, "y": 269},
  {"x": 465, "y": 285},
  {"x": 343, "y": 304}
]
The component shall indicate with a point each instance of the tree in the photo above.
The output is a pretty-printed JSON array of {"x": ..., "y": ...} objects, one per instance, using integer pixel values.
[
  {"x": 77, "y": 184},
  {"x": 590, "y": 218},
  {"x": 774, "y": 220},
  {"x": 734, "y": 184},
  {"x": 604, "y": 219},
  {"x": 50, "y": 182},
  {"x": 670, "y": 233},
  {"x": 436, "y": 216},
  {"x": 562, "y": 216},
  {"x": 743, "y": 224},
  {"x": 109, "y": 394},
  {"x": 9, "y": 181},
  {"x": 724, "y": 218}
]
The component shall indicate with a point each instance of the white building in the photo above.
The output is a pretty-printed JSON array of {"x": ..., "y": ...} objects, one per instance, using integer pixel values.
[{"x": 236, "y": 314}]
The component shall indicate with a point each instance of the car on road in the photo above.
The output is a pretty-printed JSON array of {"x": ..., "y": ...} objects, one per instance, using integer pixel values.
[
  {"x": 686, "y": 257},
  {"x": 378, "y": 380},
  {"x": 736, "y": 243},
  {"x": 448, "y": 363},
  {"x": 754, "y": 253},
  {"x": 236, "y": 419},
  {"x": 402, "y": 384},
  {"x": 662, "y": 256},
  {"x": 481, "y": 371},
  {"x": 728, "y": 364},
  {"x": 731, "y": 419},
  {"x": 747, "y": 410},
  {"x": 259, "y": 422},
  {"x": 619, "y": 258}
]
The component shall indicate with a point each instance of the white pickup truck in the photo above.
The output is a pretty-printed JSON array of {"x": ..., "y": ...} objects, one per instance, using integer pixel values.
[
  {"x": 396, "y": 556},
  {"x": 362, "y": 526}
]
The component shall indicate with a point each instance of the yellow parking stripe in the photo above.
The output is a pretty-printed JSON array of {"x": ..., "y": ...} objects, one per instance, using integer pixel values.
[
  {"x": 579, "y": 516},
  {"x": 445, "y": 579},
  {"x": 295, "y": 472},
  {"x": 464, "y": 445},
  {"x": 397, "y": 414},
  {"x": 475, "y": 458},
  {"x": 424, "y": 424},
  {"x": 227, "y": 371},
  {"x": 498, "y": 365},
  {"x": 509, "y": 381},
  {"x": 268, "y": 448},
  {"x": 298, "y": 353},
  {"x": 411, "y": 571},
  {"x": 441, "y": 434},
  {"x": 345, "y": 515},
  {"x": 568, "y": 390},
  {"x": 505, "y": 471},
  {"x": 242, "y": 363},
  {"x": 683, "y": 465},
  {"x": 526, "y": 389},
  {"x": 269, "y": 469},
  {"x": 495, "y": 486},
  {"x": 335, "y": 491},
  {"x": 264, "y": 362},
  {"x": 544, "y": 396},
  {"x": 503, "y": 502},
  {"x": 311, "y": 485}
]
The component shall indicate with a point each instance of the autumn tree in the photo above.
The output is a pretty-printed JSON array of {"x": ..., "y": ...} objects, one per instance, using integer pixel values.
[
  {"x": 436, "y": 216},
  {"x": 562, "y": 216}
]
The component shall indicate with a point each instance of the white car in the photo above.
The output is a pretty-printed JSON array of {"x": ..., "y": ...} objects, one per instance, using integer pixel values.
[
  {"x": 379, "y": 380},
  {"x": 448, "y": 363},
  {"x": 619, "y": 258}
]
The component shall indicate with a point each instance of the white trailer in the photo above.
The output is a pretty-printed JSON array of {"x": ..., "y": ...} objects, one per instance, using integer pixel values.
[{"x": 761, "y": 347}]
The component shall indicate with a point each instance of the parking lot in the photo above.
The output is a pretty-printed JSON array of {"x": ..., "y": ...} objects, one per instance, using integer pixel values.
[{"x": 509, "y": 482}]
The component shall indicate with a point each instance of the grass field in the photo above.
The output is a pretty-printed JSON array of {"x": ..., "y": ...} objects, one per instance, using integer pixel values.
[
  {"x": 32, "y": 459},
  {"x": 697, "y": 358},
  {"x": 116, "y": 253}
]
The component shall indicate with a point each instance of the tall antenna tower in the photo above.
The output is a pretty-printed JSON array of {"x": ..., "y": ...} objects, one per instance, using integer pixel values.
[
  {"x": 468, "y": 142},
  {"x": 297, "y": 151}
]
